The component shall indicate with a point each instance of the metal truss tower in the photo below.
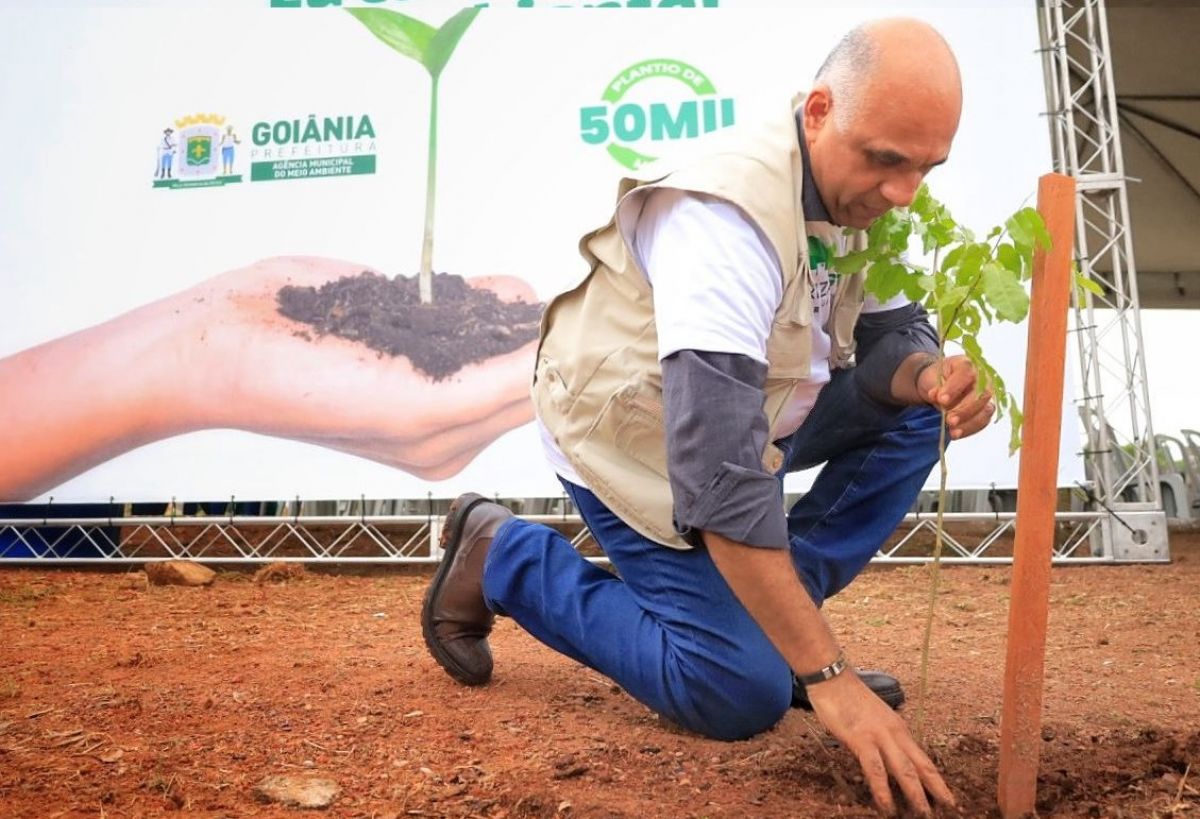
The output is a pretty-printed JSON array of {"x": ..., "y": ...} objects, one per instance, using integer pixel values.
[{"x": 1115, "y": 404}]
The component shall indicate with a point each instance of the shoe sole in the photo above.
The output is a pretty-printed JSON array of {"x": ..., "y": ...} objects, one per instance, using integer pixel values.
[{"x": 450, "y": 541}]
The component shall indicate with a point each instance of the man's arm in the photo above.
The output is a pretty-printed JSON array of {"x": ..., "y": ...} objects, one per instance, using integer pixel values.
[
  {"x": 898, "y": 363},
  {"x": 766, "y": 583},
  {"x": 723, "y": 494},
  {"x": 716, "y": 433}
]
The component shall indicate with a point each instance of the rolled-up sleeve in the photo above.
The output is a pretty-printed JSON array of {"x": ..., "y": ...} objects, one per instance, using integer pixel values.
[
  {"x": 716, "y": 433},
  {"x": 884, "y": 339}
]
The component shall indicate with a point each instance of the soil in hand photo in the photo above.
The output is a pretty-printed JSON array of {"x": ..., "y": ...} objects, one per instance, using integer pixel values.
[{"x": 462, "y": 325}]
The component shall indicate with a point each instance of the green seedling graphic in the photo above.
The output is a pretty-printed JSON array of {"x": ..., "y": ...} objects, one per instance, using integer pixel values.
[
  {"x": 432, "y": 48},
  {"x": 968, "y": 284}
]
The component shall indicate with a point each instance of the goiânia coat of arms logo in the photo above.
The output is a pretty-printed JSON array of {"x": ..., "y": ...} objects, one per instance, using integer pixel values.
[{"x": 200, "y": 151}]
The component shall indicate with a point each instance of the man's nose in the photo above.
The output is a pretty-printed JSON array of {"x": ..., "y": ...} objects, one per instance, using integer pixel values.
[{"x": 900, "y": 189}]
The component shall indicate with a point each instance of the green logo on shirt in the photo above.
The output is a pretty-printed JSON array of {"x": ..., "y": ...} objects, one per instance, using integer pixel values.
[{"x": 819, "y": 253}]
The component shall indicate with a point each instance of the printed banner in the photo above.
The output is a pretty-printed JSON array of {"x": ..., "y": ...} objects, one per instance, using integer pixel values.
[{"x": 215, "y": 217}]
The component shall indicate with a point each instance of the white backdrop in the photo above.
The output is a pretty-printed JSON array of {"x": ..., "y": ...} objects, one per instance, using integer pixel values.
[{"x": 87, "y": 88}]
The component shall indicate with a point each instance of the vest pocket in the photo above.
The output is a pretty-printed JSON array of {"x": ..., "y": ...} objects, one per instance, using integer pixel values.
[
  {"x": 789, "y": 347},
  {"x": 623, "y": 458},
  {"x": 633, "y": 421}
]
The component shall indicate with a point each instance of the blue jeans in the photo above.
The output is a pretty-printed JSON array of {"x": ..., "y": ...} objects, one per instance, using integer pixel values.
[{"x": 669, "y": 630}]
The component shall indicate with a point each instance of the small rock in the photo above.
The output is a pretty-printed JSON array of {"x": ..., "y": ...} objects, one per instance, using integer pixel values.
[
  {"x": 129, "y": 659},
  {"x": 297, "y": 791},
  {"x": 1169, "y": 783},
  {"x": 179, "y": 573},
  {"x": 279, "y": 572},
  {"x": 138, "y": 581}
]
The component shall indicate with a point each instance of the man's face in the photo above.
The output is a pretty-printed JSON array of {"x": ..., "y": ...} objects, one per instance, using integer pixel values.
[{"x": 881, "y": 157}]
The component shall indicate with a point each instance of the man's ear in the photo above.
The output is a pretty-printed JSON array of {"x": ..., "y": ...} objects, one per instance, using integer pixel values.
[{"x": 818, "y": 107}]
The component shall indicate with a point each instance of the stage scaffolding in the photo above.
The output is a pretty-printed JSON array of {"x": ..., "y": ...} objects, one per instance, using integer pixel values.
[
  {"x": 1114, "y": 402},
  {"x": 1120, "y": 519}
]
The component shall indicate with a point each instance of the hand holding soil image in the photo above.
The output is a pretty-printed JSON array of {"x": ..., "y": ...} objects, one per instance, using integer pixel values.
[
  {"x": 463, "y": 325},
  {"x": 220, "y": 355}
]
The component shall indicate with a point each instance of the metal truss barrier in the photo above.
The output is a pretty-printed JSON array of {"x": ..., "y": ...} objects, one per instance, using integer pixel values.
[
  {"x": 1085, "y": 140},
  {"x": 971, "y": 537}
]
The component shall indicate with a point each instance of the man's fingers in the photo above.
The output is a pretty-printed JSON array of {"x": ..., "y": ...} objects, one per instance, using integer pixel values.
[
  {"x": 971, "y": 415},
  {"x": 906, "y": 776},
  {"x": 930, "y": 779},
  {"x": 876, "y": 775},
  {"x": 958, "y": 381}
]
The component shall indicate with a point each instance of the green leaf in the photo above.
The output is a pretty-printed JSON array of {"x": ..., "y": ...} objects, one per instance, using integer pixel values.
[
  {"x": 1004, "y": 292},
  {"x": 400, "y": 32},
  {"x": 972, "y": 259},
  {"x": 917, "y": 286},
  {"x": 1033, "y": 224},
  {"x": 1018, "y": 231},
  {"x": 997, "y": 383},
  {"x": 886, "y": 279},
  {"x": 952, "y": 258},
  {"x": 852, "y": 263},
  {"x": 971, "y": 347},
  {"x": 922, "y": 201},
  {"x": 969, "y": 320},
  {"x": 890, "y": 232},
  {"x": 951, "y": 297},
  {"x": 1016, "y": 420},
  {"x": 1090, "y": 285},
  {"x": 1008, "y": 256},
  {"x": 447, "y": 37}
]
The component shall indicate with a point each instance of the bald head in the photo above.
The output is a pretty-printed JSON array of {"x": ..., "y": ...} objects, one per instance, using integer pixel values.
[
  {"x": 881, "y": 55},
  {"x": 882, "y": 114}
]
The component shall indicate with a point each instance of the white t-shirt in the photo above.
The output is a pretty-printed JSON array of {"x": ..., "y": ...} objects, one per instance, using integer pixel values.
[{"x": 717, "y": 285}]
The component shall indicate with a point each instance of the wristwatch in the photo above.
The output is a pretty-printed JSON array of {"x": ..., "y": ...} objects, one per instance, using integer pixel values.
[{"x": 827, "y": 673}]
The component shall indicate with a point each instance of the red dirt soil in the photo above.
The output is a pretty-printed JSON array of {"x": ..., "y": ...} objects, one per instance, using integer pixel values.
[{"x": 121, "y": 700}]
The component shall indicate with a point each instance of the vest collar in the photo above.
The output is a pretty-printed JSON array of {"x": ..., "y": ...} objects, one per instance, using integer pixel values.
[{"x": 810, "y": 197}]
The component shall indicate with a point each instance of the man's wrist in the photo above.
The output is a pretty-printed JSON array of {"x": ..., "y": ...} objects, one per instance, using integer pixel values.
[
  {"x": 924, "y": 363},
  {"x": 834, "y": 669}
]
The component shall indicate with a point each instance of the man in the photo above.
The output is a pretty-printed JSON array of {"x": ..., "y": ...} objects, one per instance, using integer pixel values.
[
  {"x": 228, "y": 141},
  {"x": 166, "y": 155},
  {"x": 707, "y": 354}
]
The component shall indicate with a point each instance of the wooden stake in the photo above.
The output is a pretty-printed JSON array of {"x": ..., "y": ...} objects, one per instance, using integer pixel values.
[{"x": 1037, "y": 495}]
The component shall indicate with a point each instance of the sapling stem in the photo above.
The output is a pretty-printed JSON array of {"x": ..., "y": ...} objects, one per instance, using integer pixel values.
[
  {"x": 426, "y": 272},
  {"x": 935, "y": 567}
]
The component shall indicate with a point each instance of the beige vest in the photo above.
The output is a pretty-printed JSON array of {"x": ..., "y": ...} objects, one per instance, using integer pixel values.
[{"x": 598, "y": 382}]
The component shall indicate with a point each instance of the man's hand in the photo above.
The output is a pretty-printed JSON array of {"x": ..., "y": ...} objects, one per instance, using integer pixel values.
[
  {"x": 880, "y": 740},
  {"x": 967, "y": 410},
  {"x": 766, "y": 583}
]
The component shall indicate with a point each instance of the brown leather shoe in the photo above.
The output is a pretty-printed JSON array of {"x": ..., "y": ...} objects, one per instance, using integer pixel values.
[{"x": 454, "y": 619}]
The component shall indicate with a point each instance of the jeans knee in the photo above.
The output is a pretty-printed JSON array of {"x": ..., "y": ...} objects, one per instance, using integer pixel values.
[{"x": 744, "y": 710}]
